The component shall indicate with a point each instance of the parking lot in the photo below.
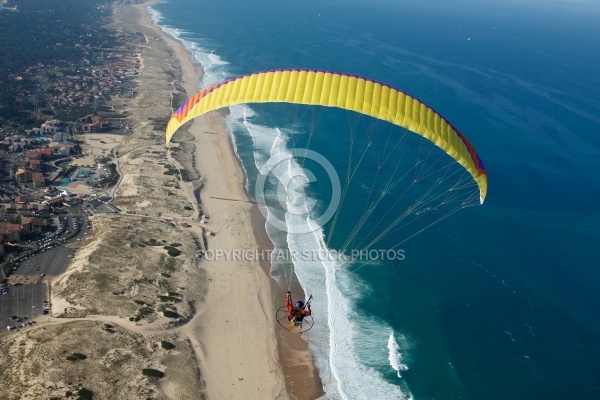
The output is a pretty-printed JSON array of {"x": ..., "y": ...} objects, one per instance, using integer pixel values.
[
  {"x": 22, "y": 304},
  {"x": 27, "y": 288}
]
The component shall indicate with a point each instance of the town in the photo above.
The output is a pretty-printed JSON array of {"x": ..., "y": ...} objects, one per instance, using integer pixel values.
[
  {"x": 40, "y": 180},
  {"x": 49, "y": 185}
]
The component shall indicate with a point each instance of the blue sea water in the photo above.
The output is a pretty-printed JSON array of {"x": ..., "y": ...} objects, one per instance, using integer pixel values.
[{"x": 498, "y": 301}]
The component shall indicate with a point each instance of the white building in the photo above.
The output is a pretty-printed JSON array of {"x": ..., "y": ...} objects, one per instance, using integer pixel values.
[{"x": 60, "y": 137}]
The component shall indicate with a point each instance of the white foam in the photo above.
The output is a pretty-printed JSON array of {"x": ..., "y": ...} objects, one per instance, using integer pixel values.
[
  {"x": 340, "y": 335},
  {"x": 350, "y": 336},
  {"x": 155, "y": 16},
  {"x": 230, "y": 131},
  {"x": 214, "y": 67},
  {"x": 395, "y": 356}
]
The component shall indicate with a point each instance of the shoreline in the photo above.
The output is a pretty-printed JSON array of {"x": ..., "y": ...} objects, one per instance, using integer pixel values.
[
  {"x": 292, "y": 353},
  {"x": 302, "y": 377}
]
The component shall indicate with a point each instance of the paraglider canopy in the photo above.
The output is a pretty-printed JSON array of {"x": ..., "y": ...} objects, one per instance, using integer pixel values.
[{"x": 332, "y": 89}]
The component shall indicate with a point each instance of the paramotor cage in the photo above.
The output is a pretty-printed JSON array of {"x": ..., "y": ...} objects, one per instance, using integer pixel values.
[{"x": 283, "y": 319}]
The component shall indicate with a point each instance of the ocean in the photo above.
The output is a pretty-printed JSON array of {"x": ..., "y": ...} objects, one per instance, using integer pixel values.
[{"x": 494, "y": 301}]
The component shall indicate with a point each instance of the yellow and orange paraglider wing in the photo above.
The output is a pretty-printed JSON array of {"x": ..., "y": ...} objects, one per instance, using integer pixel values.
[{"x": 331, "y": 89}]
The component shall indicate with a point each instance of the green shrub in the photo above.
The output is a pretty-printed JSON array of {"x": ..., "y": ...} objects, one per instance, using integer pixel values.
[
  {"x": 172, "y": 251},
  {"x": 142, "y": 312},
  {"x": 152, "y": 372},
  {"x": 85, "y": 394},
  {"x": 76, "y": 357},
  {"x": 169, "y": 298},
  {"x": 170, "y": 314},
  {"x": 186, "y": 176},
  {"x": 167, "y": 345},
  {"x": 169, "y": 265}
]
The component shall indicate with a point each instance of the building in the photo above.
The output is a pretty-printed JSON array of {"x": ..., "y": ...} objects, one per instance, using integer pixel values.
[
  {"x": 10, "y": 232},
  {"x": 60, "y": 137},
  {"x": 93, "y": 123},
  {"x": 51, "y": 126},
  {"x": 34, "y": 132},
  {"x": 35, "y": 165},
  {"x": 23, "y": 175},
  {"x": 31, "y": 224}
]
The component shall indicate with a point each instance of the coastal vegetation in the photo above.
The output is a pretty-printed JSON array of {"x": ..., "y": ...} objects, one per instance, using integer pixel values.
[
  {"x": 153, "y": 373},
  {"x": 112, "y": 364},
  {"x": 167, "y": 345},
  {"x": 140, "y": 288},
  {"x": 172, "y": 251},
  {"x": 76, "y": 357}
]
